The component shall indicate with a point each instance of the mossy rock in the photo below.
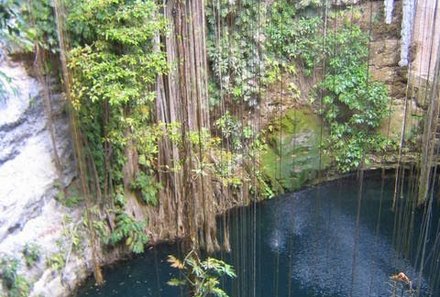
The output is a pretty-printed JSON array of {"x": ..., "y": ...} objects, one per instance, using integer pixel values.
[
  {"x": 391, "y": 126},
  {"x": 293, "y": 156}
]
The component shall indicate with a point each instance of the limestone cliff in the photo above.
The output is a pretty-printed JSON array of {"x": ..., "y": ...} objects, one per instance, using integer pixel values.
[{"x": 30, "y": 184}]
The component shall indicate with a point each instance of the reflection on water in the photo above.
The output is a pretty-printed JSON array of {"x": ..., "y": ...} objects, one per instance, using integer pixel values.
[{"x": 309, "y": 243}]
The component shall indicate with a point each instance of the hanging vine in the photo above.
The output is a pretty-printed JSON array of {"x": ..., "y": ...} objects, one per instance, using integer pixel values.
[{"x": 114, "y": 68}]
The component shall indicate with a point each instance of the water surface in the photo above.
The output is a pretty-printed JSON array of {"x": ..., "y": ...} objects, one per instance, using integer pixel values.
[{"x": 333, "y": 240}]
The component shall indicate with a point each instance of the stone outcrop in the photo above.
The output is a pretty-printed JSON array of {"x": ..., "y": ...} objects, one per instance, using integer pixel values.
[
  {"x": 426, "y": 39},
  {"x": 293, "y": 157},
  {"x": 30, "y": 182},
  {"x": 345, "y": 2}
]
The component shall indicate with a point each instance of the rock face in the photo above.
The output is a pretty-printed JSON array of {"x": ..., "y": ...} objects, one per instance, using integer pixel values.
[
  {"x": 426, "y": 38},
  {"x": 293, "y": 156},
  {"x": 406, "y": 31},
  {"x": 29, "y": 180},
  {"x": 27, "y": 171},
  {"x": 345, "y": 2}
]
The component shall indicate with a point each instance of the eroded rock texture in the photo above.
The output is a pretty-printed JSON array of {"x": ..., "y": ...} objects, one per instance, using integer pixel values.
[{"x": 30, "y": 181}]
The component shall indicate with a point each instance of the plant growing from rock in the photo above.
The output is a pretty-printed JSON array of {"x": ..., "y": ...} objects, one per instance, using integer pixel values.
[
  {"x": 15, "y": 284},
  {"x": 31, "y": 253},
  {"x": 293, "y": 38},
  {"x": 114, "y": 65},
  {"x": 130, "y": 230},
  {"x": 147, "y": 186},
  {"x": 56, "y": 261},
  {"x": 353, "y": 103}
]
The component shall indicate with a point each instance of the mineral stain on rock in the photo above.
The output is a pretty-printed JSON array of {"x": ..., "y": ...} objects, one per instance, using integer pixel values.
[{"x": 293, "y": 156}]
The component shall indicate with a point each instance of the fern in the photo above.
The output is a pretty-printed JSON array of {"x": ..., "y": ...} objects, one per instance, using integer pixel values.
[{"x": 131, "y": 231}]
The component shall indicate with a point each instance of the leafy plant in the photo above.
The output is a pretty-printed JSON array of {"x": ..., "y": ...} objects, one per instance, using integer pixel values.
[
  {"x": 353, "y": 104},
  {"x": 201, "y": 276},
  {"x": 39, "y": 16},
  {"x": 71, "y": 241},
  {"x": 293, "y": 38},
  {"x": 234, "y": 132},
  {"x": 234, "y": 50},
  {"x": 71, "y": 235},
  {"x": 5, "y": 83},
  {"x": 115, "y": 63},
  {"x": 31, "y": 253},
  {"x": 13, "y": 25},
  {"x": 308, "y": 3},
  {"x": 25, "y": 23},
  {"x": 10, "y": 33},
  {"x": 15, "y": 284},
  {"x": 56, "y": 261},
  {"x": 71, "y": 200},
  {"x": 147, "y": 186},
  {"x": 130, "y": 230}
]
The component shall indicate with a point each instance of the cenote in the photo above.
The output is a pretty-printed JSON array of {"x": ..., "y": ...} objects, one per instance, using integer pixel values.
[{"x": 316, "y": 242}]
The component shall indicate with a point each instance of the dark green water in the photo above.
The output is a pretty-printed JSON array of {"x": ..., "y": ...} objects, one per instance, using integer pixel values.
[{"x": 304, "y": 244}]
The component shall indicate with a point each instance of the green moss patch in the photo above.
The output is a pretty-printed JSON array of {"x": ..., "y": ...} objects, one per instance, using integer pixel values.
[{"x": 293, "y": 156}]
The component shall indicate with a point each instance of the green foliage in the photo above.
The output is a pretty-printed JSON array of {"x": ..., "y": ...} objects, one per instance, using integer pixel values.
[
  {"x": 9, "y": 11},
  {"x": 126, "y": 230},
  {"x": 115, "y": 63},
  {"x": 31, "y": 253},
  {"x": 9, "y": 267},
  {"x": 147, "y": 186},
  {"x": 70, "y": 241},
  {"x": 13, "y": 25},
  {"x": 15, "y": 284},
  {"x": 5, "y": 83},
  {"x": 101, "y": 230},
  {"x": 293, "y": 38},
  {"x": 302, "y": 4},
  {"x": 56, "y": 261},
  {"x": 73, "y": 200},
  {"x": 40, "y": 19},
  {"x": 71, "y": 235},
  {"x": 130, "y": 230},
  {"x": 201, "y": 276},
  {"x": 234, "y": 132},
  {"x": 265, "y": 190},
  {"x": 25, "y": 22},
  {"x": 243, "y": 60},
  {"x": 234, "y": 50},
  {"x": 116, "y": 22},
  {"x": 353, "y": 104},
  {"x": 70, "y": 200}
]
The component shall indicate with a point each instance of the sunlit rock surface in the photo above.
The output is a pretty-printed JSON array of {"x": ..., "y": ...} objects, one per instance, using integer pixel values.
[
  {"x": 29, "y": 181},
  {"x": 426, "y": 38},
  {"x": 345, "y": 2}
]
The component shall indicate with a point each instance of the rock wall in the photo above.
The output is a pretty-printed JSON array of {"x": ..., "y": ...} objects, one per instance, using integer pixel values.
[
  {"x": 293, "y": 156},
  {"x": 30, "y": 184},
  {"x": 408, "y": 12},
  {"x": 297, "y": 130},
  {"x": 426, "y": 38}
]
